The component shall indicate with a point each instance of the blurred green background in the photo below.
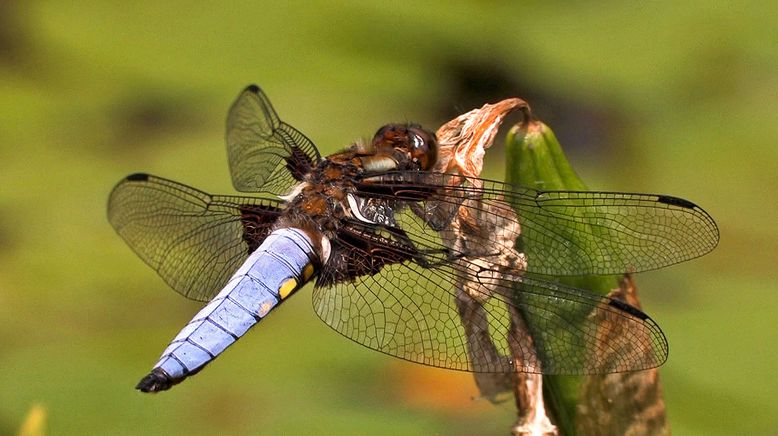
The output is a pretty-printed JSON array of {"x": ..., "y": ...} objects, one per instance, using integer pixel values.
[{"x": 654, "y": 97}]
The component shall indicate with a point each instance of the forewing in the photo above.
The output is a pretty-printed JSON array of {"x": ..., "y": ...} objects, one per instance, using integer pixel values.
[
  {"x": 589, "y": 233},
  {"x": 193, "y": 240},
  {"x": 444, "y": 309},
  {"x": 265, "y": 154},
  {"x": 566, "y": 233}
]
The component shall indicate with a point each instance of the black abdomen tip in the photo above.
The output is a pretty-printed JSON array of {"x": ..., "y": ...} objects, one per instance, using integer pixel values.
[{"x": 157, "y": 380}]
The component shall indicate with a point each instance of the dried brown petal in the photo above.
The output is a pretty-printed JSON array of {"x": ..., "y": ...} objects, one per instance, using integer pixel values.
[{"x": 462, "y": 142}]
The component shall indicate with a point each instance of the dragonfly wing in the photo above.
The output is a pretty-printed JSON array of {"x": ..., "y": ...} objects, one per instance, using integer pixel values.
[
  {"x": 589, "y": 233},
  {"x": 265, "y": 154},
  {"x": 433, "y": 304},
  {"x": 563, "y": 233},
  {"x": 195, "y": 241},
  {"x": 458, "y": 276}
]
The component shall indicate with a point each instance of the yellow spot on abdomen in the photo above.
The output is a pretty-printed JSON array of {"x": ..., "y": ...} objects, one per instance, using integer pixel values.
[
  {"x": 264, "y": 308},
  {"x": 307, "y": 272},
  {"x": 287, "y": 288}
]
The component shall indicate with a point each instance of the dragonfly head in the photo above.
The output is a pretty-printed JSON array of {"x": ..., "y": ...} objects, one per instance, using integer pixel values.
[{"x": 409, "y": 144}]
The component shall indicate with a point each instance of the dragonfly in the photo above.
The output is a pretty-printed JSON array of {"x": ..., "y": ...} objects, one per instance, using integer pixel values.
[{"x": 394, "y": 247}]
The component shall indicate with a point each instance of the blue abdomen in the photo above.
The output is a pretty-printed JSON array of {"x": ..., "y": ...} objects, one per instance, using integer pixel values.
[{"x": 276, "y": 269}]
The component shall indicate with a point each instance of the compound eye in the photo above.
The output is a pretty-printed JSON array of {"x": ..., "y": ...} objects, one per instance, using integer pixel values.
[
  {"x": 423, "y": 147},
  {"x": 386, "y": 136}
]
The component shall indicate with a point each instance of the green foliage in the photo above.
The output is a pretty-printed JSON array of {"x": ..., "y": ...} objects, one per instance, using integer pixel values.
[{"x": 534, "y": 158}]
